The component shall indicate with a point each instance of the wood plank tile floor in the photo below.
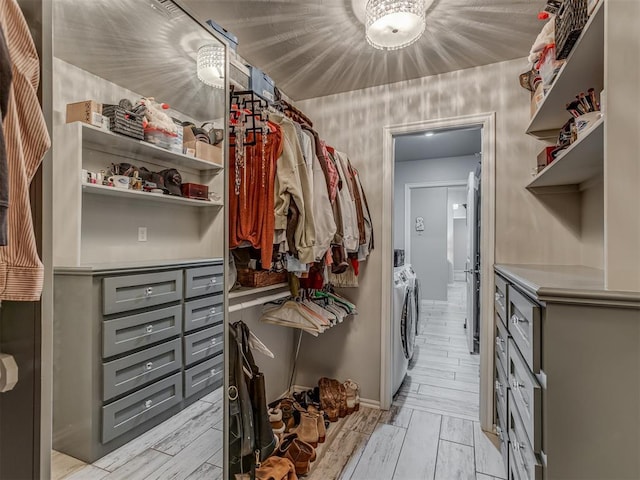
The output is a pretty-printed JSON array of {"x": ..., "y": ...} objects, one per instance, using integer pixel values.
[
  {"x": 432, "y": 430},
  {"x": 188, "y": 446}
]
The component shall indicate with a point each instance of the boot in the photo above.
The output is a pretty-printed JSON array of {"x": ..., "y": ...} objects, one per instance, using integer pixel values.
[
  {"x": 328, "y": 398},
  {"x": 353, "y": 396},
  {"x": 342, "y": 399},
  {"x": 308, "y": 429},
  {"x": 322, "y": 427},
  {"x": 300, "y": 453},
  {"x": 275, "y": 418},
  {"x": 286, "y": 405}
]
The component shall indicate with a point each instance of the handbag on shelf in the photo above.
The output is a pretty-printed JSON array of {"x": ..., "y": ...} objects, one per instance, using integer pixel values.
[{"x": 251, "y": 438}]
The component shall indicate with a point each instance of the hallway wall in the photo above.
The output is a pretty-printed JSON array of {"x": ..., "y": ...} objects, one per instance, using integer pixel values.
[
  {"x": 353, "y": 122},
  {"x": 430, "y": 170}
]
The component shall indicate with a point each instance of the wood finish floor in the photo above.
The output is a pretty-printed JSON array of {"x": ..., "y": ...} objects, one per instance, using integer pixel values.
[
  {"x": 188, "y": 446},
  {"x": 432, "y": 431}
]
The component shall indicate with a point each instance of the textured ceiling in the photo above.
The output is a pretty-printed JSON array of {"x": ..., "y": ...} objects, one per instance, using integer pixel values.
[
  {"x": 313, "y": 48},
  {"x": 451, "y": 143}
]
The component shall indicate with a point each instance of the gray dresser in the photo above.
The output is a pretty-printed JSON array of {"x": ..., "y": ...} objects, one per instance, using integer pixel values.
[
  {"x": 567, "y": 374},
  {"x": 132, "y": 347}
]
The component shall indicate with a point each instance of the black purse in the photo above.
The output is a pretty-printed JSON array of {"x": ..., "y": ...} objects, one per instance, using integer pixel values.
[{"x": 251, "y": 438}]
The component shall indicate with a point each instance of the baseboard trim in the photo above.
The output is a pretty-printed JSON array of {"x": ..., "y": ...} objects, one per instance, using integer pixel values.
[{"x": 365, "y": 402}]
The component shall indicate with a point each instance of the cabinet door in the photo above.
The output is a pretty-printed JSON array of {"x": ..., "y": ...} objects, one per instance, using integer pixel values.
[
  {"x": 500, "y": 298},
  {"x": 204, "y": 344},
  {"x": 203, "y": 312},
  {"x": 524, "y": 458},
  {"x": 128, "y": 373},
  {"x": 204, "y": 281},
  {"x": 135, "y": 409},
  {"x": 131, "y": 292},
  {"x": 120, "y": 335}
]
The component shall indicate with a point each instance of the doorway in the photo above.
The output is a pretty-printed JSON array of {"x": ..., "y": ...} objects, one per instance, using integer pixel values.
[{"x": 392, "y": 197}]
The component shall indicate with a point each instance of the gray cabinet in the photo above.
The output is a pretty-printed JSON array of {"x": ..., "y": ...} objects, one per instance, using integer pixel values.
[
  {"x": 133, "y": 346},
  {"x": 573, "y": 357}
]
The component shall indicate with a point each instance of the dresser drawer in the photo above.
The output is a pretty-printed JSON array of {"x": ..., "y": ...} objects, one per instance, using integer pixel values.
[
  {"x": 121, "y": 335},
  {"x": 203, "y": 375},
  {"x": 527, "y": 395},
  {"x": 501, "y": 389},
  {"x": 503, "y": 436},
  {"x": 512, "y": 468},
  {"x": 131, "y": 292},
  {"x": 524, "y": 327},
  {"x": 130, "y": 372},
  {"x": 203, "y": 281},
  {"x": 203, "y": 344},
  {"x": 203, "y": 312},
  {"x": 526, "y": 461},
  {"x": 502, "y": 342},
  {"x": 135, "y": 409},
  {"x": 500, "y": 298}
]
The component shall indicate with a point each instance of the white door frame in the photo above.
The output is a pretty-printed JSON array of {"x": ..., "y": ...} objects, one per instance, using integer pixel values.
[
  {"x": 487, "y": 249},
  {"x": 407, "y": 208}
]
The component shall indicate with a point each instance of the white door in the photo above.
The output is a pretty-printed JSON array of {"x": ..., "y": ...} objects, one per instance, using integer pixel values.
[{"x": 471, "y": 267}]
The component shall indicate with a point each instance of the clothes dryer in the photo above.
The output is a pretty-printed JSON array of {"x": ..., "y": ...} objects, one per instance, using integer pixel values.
[{"x": 400, "y": 304}]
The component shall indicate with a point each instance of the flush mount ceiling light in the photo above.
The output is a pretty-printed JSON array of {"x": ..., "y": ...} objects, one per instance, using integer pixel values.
[
  {"x": 210, "y": 65},
  {"x": 394, "y": 24}
]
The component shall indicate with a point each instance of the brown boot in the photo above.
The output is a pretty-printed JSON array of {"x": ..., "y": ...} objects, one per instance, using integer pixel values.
[
  {"x": 328, "y": 398},
  {"x": 353, "y": 396},
  {"x": 342, "y": 399},
  {"x": 308, "y": 429},
  {"x": 300, "y": 453}
]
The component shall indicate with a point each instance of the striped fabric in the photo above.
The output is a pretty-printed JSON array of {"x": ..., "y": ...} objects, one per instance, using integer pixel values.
[{"x": 27, "y": 140}]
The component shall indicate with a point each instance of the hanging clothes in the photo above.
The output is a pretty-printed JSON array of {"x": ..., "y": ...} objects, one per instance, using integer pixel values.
[
  {"x": 26, "y": 141},
  {"x": 5, "y": 86},
  {"x": 293, "y": 184},
  {"x": 251, "y": 219},
  {"x": 347, "y": 204}
]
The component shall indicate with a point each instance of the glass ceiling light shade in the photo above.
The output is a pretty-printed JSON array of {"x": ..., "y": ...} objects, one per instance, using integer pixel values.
[
  {"x": 210, "y": 65},
  {"x": 394, "y": 24}
]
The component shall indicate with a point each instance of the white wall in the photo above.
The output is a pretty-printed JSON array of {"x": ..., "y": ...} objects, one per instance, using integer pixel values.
[
  {"x": 430, "y": 170},
  {"x": 354, "y": 122}
]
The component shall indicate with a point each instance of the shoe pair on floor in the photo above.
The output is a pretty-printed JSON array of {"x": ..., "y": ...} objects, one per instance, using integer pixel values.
[{"x": 338, "y": 399}]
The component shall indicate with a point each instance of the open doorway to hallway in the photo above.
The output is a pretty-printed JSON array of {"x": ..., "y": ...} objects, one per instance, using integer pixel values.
[{"x": 437, "y": 199}]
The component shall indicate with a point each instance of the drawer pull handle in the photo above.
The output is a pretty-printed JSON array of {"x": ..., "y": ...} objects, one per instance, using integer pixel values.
[
  {"x": 516, "y": 384},
  {"x": 516, "y": 446},
  {"x": 499, "y": 432},
  {"x": 212, "y": 311},
  {"x": 148, "y": 291},
  {"x": 500, "y": 343},
  {"x": 213, "y": 342},
  {"x": 148, "y": 366},
  {"x": 498, "y": 388},
  {"x": 212, "y": 373},
  {"x": 515, "y": 319},
  {"x": 212, "y": 281},
  {"x": 148, "y": 404},
  {"x": 149, "y": 328}
]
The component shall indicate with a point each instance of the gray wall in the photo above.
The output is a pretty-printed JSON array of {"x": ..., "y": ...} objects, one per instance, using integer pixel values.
[
  {"x": 354, "y": 122},
  {"x": 432, "y": 170},
  {"x": 459, "y": 243},
  {"x": 429, "y": 247}
]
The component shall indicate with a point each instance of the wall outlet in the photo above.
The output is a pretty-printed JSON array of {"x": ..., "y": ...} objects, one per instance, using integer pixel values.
[{"x": 142, "y": 234}]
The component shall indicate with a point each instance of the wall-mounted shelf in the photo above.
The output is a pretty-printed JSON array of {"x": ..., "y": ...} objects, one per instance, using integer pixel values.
[
  {"x": 581, "y": 162},
  {"x": 98, "y": 139},
  {"x": 583, "y": 69},
  {"x": 137, "y": 195},
  {"x": 249, "y": 291}
]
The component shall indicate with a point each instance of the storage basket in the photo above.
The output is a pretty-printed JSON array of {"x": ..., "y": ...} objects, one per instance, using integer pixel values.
[
  {"x": 124, "y": 122},
  {"x": 570, "y": 20},
  {"x": 260, "y": 278}
]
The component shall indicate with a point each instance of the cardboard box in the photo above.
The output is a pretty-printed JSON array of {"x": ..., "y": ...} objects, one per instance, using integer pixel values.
[
  {"x": 87, "y": 111},
  {"x": 536, "y": 98},
  {"x": 201, "y": 150}
]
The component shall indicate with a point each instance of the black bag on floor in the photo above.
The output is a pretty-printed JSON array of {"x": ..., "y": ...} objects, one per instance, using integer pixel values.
[{"x": 251, "y": 438}]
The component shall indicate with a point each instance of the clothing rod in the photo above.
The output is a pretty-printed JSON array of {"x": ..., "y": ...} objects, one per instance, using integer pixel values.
[{"x": 258, "y": 301}]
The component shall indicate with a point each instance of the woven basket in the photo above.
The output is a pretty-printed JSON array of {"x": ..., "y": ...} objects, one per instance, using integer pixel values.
[
  {"x": 260, "y": 278},
  {"x": 123, "y": 122},
  {"x": 570, "y": 20}
]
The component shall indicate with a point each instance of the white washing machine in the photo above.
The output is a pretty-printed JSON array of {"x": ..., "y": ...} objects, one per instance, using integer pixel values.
[{"x": 403, "y": 328}]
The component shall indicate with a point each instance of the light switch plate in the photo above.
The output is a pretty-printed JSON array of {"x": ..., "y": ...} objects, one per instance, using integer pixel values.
[{"x": 142, "y": 234}]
